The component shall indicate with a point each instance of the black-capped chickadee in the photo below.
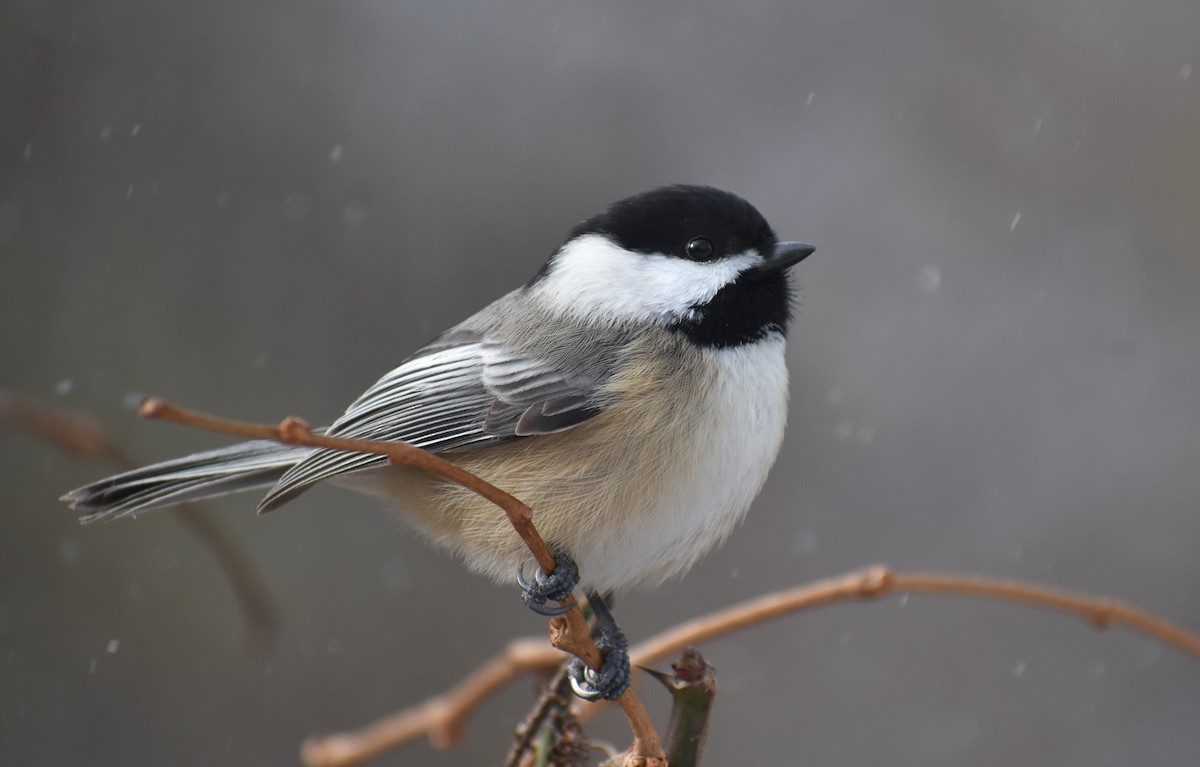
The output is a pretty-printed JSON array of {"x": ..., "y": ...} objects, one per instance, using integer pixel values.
[{"x": 633, "y": 393}]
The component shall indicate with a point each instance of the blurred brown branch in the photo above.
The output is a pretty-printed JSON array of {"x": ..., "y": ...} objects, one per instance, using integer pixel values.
[
  {"x": 76, "y": 433},
  {"x": 81, "y": 435}
]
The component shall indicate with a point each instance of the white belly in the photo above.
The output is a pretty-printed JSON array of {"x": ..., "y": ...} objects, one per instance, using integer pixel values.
[
  {"x": 735, "y": 438},
  {"x": 637, "y": 494}
]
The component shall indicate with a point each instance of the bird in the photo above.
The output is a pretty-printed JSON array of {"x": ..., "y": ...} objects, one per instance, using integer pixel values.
[{"x": 633, "y": 393}]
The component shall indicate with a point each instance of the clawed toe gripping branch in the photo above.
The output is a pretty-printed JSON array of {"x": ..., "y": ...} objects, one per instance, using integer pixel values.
[
  {"x": 553, "y": 587},
  {"x": 615, "y": 673}
]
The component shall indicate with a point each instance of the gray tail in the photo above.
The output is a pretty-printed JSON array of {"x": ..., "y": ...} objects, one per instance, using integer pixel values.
[{"x": 203, "y": 475}]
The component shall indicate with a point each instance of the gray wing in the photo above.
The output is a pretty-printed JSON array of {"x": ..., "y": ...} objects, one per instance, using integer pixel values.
[
  {"x": 194, "y": 477},
  {"x": 467, "y": 392}
]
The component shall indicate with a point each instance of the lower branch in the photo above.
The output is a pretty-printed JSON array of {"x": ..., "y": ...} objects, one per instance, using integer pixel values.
[
  {"x": 879, "y": 581},
  {"x": 426, "y": 720},
  {"x": 441, "y": 719}
]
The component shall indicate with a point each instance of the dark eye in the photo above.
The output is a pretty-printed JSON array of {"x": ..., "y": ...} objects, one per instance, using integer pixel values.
[{"x": 701, "y": 249}]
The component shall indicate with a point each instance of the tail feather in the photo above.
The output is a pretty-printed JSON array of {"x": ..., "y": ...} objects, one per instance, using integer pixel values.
[{"x": 203, "y": 475}]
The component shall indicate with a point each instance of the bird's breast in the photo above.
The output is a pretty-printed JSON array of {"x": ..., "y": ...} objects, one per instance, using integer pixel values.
[{"x": 637, "y": 494}]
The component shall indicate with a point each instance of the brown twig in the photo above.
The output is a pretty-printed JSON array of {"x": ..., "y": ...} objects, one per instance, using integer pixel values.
[
  {"x": 568, "y": 632},
  {"x": 878, "y": 581},
  {"x": 82, "y": 436},
  {"x": 547, "y": 713},
  {"x": 869, "y": 583},
  {"x": 441, "y": 719},
  {"x": 294, "y": 431},
  {"x": 76, "y": 433}
]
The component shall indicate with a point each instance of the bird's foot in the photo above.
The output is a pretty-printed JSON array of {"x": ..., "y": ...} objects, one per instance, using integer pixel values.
[
  {"x": 614, "y": 676},
  {"x": 555, "y": 587},
  {"x": 615, "y": 673}
]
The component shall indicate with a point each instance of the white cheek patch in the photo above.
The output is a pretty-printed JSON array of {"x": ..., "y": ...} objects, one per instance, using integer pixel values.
[{"x": 594, "y": 277}]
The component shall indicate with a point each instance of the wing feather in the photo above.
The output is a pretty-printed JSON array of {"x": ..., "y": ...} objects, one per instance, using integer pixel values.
[{"x": 470, "y": 394}]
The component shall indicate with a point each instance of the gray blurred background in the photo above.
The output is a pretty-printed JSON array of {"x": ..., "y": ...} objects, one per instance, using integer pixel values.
[{"x": 257, "y": 208}]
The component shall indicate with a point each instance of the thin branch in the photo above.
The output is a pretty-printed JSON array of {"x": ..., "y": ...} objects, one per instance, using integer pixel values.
[
  {"x": 570, "y": 632},
  {"x": 80, "y": 435},
  {"x": 868, "y": 583},
  {"x": 294, "y": 431},
  {"x": 547, "y": 712},
  {"x": 249, "y": 589},
  {"x": 441, "y": 719},
  {"x": 570, "y": 629},
  {"x": 878, "y": 581}
]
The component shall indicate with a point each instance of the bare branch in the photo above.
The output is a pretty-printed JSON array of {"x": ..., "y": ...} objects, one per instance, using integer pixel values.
[
  {"x": 868, "y": 583},
  {"x": 442, "y": 719},
  {"x": 879, "y": 581},
  {"x": 294, "y": 431},
  {"x": 571, "y": 628},
  {"x": 76, "y": 433}
]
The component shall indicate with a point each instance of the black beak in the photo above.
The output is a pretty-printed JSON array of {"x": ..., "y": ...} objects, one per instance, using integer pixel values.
[{"x": 785, "y": 255}]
